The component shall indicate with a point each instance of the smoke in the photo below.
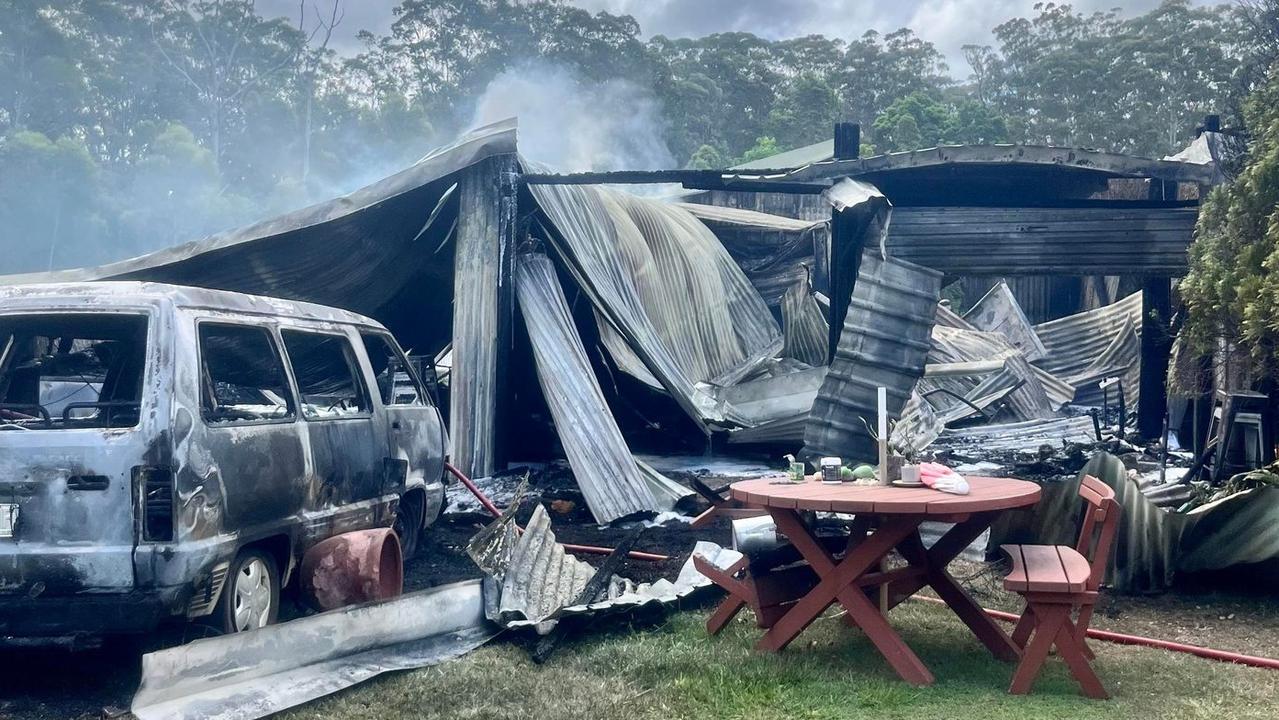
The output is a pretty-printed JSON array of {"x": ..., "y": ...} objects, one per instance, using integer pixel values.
[{"x": 574, "y": 125}]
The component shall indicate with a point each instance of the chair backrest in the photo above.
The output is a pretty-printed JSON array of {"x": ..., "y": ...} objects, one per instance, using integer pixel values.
[{"x": 1101, "y": 521}]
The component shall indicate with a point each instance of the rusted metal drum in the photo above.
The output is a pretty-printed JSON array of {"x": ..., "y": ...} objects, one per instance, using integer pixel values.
[{"x": 352, "y": 568}]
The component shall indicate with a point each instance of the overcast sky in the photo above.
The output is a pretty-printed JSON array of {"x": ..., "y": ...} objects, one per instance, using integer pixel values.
[{"x": 949, "y": 24}]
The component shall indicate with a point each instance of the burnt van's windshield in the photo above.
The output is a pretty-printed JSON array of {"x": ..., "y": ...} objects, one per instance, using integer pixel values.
[{"x": 63, "y": 370}]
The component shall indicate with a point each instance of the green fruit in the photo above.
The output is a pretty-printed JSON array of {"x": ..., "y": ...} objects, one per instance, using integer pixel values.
[
  {"x": 846, "y": 474},
  {"x": 863, "y": 472}
]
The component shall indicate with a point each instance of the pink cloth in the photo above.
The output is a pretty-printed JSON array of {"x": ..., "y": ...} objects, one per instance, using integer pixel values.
[{"x": 940, "y": 477}]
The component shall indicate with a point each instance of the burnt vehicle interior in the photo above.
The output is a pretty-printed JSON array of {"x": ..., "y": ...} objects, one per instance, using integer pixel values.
[
  {"x": 70, "y": 370},
  {"x": 242, "y": 376}
]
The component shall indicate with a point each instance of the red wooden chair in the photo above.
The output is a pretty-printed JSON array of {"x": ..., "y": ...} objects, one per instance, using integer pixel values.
[{"x": 1056, "y": 580}]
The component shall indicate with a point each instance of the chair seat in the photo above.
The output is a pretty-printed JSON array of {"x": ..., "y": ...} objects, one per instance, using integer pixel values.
[{"x": 1047, "y": 569}]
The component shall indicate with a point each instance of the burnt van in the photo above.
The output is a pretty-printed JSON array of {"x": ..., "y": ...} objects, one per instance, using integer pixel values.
[{"x": 171, "y": 452}]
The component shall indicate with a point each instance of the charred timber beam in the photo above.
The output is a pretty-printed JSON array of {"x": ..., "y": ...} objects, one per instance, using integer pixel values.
[
  {"x": 691, "y": 179},
  {"x": 1156, "y": 348},
  {"x": 483, "y": 309}
]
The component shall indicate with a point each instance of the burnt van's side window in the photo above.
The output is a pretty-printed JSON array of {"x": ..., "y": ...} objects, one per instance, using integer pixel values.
[
  {"x": 241, "y": 376},
  {"x": 325, "y": 369},
  {"x": 71, "y": 370},
  {"x": 396, "y": 383}
]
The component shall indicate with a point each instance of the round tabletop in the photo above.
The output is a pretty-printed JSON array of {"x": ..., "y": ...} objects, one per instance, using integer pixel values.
[{"x": 985, "y": 494}]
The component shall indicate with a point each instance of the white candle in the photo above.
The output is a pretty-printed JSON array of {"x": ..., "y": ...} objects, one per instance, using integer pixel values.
[{"x": 883, "y": 413}]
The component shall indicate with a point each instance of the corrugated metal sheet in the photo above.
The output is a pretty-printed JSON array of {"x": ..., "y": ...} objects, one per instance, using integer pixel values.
[
  {"x": 998, "y": 311},
  {"x": 1028, "y": 435},
  {"x": 610, "y": 481},
  {"x": 1028, "y": 401},
  {"x": 774, "y": 251},
  {"x": 806, "y": 332},
  {"x": 672, "y": 304},
  {"x": 537, "y": 582},
  {"x": 1044, "y": 241},
  {"x": 1084, "y": 346},
  {"x": 885, "y": 342},
  {"x": 253, "y": 675}
]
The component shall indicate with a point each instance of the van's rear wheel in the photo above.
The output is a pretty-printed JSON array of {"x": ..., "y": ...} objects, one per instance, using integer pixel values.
[
  {"x": 251, "y": 598},
  {"x": 408, "y": 524}
]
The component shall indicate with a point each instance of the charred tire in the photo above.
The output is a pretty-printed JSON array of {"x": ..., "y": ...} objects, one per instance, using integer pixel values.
[
  {"x": 408, "y": 524},
  {"x": 251, "y": 597}
]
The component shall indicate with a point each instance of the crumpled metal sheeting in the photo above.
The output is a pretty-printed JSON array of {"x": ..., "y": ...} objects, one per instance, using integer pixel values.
[
  {"x": 806, "y": 332},
  {"x": 787, "y": 393},
  {"x": 536, "y": 580},
  {"x": 612, "y": 484},
  {"x": 1241, "y": 529},
  {"x": 919, "y": 425},
  {"x": 1029, "y": 401},
  {"x": 998, "y": 311},
  {"x": 774, "y": 251},
  {"x": 1121, "y": 358},
  {"x": 1075, "y": 342},
  {"x": 1027, "y": 435},
  {"x": 644, "y": 265},
  {"x": 1153, "y": 545},
  {"x": 252, "y": 675},
  {"x": 885, "y": 342}
]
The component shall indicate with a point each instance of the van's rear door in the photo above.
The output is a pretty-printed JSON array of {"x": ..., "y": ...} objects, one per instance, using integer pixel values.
[{"x": 74, "y": 424}]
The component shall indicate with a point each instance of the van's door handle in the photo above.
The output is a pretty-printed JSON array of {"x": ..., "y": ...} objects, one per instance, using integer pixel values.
[{"x": 395, "y": 424}]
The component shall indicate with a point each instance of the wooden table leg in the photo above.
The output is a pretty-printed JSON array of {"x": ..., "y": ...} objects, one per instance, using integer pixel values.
[
  {"x": 947, "y": 548},
  {"x": 838, "y": 582},
  {"x": 958, "y": 600}
]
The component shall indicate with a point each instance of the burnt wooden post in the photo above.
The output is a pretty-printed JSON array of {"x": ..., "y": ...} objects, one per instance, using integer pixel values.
[
  {"x": 1156, "y": 348},
  {"x": 483, "y": 306},
  {"x": 846, "y": 240}
]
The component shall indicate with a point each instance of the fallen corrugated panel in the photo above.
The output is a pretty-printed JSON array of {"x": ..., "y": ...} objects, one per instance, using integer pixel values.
[
  {"x": 885, "y": 342},
  {"x": 775, "y": 397},
  {"x": 1122, "y": 359},
  {"x": 610, "y": 481},
  {"x": 1028, "y": 435},
  {"x": 254, "y": 674},
  {"x": 774, "y": 251},
  {"x": 998, "y": 311},
  {"x": 1083, "y": 348},
  {"x": 1074, "y": 343},
  {"x": 919, "y": 425},
  {"x": 538, "y": 582},
  {"x": 806, "y": 332},
  {"x": 1153, "y": 545},
  {"x": 1028, "y": 400},
  {"x": 949, "y": 318},
  {"x": 673, "y": 307},
  {"x": 786, "y": 431}
]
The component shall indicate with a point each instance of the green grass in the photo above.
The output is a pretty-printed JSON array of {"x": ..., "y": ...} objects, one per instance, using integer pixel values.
[{"x": 831, "y": 671}]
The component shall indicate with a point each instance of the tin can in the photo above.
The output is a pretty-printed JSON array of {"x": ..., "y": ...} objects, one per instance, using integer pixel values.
[{"x": 830, "y": 469}]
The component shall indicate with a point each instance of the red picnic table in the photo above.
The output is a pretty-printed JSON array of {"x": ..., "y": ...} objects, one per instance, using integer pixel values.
[{"x": 895, "y": 515}]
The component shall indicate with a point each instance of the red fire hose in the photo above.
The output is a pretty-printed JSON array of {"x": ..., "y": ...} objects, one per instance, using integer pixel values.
[
  {"x": 588, "y": 549},
  {"x": 1122, "y": 639}
]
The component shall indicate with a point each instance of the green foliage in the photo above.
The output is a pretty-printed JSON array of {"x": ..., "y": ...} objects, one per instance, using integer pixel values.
[
  {"x": 1231, "y": 290},
  {"x": 707, "y": 157},
  {"x": 183, "y": 117},
  {"x": 764, "y": 146}
]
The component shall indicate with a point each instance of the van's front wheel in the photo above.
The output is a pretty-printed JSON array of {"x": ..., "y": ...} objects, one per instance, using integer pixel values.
[{"x": 251, "y": 599}]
